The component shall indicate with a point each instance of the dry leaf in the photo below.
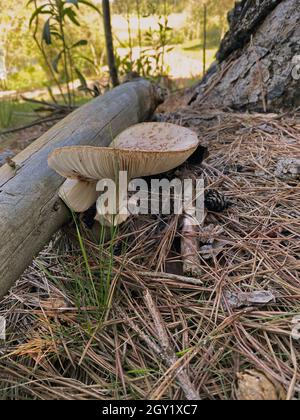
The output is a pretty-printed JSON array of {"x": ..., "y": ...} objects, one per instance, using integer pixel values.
[
  {"x": 255, "y": 386},
  {"x": 288, "y": 168},
  {"x": 259, "y": 297},
  {"x": 57, "y": 308},
  {"x": 211, "y": 251},
  {"x": 208, "y": 234},
  {"x": 213, "y": 246}
]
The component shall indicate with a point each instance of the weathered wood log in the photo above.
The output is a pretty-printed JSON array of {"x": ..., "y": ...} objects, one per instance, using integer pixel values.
[
  {"x": 258, "y": 64},
  {"x": 30, "y": 210}
]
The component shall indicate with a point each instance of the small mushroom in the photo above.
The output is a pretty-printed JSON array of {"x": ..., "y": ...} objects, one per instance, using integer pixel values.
[{"x": 142, "y": 150}]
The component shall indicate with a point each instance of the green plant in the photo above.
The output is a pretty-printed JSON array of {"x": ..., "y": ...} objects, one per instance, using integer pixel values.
[
  {"x": 56, "y": 44},
  {"x": 159, "y": 39},
  {"x": 142, "y": 65},
  {"x": 95, "y": 283},
  {"x": 151, "y": 60},
  {"x": 6, "y": 113}
]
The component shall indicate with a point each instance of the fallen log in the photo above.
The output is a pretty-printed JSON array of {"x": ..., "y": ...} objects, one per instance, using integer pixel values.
[{"x": 30, "y": 209}]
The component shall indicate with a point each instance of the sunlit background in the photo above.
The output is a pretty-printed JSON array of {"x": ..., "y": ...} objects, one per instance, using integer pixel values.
[{"x": 171, "y": 40}]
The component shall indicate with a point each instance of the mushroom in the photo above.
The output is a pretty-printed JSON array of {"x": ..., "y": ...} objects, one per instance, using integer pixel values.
[
  {"x": 145, "y": 149},
  {"x": 142, "y": 150}
]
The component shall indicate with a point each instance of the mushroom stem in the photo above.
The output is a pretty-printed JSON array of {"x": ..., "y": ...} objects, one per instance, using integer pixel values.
[
  {"x": 78, "y": 195},
  {"x": 193, "y": 218},
  {"x": 111, "y": 206},
  {"x": 190, "y": 246}
]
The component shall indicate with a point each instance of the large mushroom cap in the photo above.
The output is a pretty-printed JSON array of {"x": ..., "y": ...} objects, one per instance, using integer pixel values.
[
  {"x": 157, "y": 137},
  {"x": 142, "y": 150}
]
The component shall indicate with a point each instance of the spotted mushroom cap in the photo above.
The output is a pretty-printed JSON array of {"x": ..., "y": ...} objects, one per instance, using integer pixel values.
[{"x": 142, "y": 150}]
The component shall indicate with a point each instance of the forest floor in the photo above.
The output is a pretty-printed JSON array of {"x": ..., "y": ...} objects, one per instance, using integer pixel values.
[{"x": 102, "y": 319}]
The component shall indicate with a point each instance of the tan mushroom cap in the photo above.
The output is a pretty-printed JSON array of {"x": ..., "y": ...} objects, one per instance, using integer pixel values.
[
  {"x": 142, "y": 150},
  {"x": 156, "y": 137}
]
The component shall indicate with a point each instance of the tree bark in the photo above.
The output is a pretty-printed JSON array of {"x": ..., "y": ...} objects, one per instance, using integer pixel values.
[
  {"x": 109, "y": 43},
  {"x": 30, "y": 210},
  {"x": 257, "y": 64}
]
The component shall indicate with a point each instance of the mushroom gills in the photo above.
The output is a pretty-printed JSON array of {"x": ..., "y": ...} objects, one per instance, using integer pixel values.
[{"x": 142, "y": 150}]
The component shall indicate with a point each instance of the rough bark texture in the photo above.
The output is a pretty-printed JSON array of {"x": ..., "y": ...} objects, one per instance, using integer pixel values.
[
  {"x": 244, "y": 19},
  {"x": 258, "y": 67},
  {"x": 30, "y": 210}
]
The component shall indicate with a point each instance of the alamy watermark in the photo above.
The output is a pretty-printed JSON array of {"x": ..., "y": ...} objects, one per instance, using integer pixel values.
[
  {"x": 296, "y": 67},
  {"x": 160, "y": 196}
]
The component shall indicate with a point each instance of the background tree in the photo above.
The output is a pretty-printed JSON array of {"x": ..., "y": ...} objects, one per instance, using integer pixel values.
[
  {"x": 257, "y": 63},
  {"x": 109, "y": 43}
]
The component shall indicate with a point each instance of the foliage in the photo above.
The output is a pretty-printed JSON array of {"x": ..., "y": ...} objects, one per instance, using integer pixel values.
[
  {"x": 12, "y": 31},
  {"x": 148, "y": 7},
  {"x": 31, "y": 76},
  {"x": 31, "y": 62},
  {"x": 151, "y": 60},
  {"x": 56, "y": 44},
  {"x": 153, "y": 46},
  {"x": 217, "y": 17},
  {"x": 6, "y": 113}
]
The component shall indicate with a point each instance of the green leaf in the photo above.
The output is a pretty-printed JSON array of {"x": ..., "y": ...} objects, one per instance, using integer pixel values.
[
  {"x": 56, "y": 34},
  {"x": 47, "y": 32},
  {"x": 40, "y": 10},
  {"x": 71, "y": 15},
  {"x": 183, "y": 352},
  {"x": 80, "y": 43},
  {"x": 89, "y": 60},
  {"x": 81, "y": 78},
  {"x": 55, "y": 62}
]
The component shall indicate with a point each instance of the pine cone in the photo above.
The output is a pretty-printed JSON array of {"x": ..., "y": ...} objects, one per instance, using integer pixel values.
[{"x": 216, "y": 202}]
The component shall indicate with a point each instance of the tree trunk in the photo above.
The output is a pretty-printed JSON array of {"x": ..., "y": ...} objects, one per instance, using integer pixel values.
[
  {"x": 257, "y": 64},
  {"x": 109, "y": 43},
  {"x": 30, "y": 210}
]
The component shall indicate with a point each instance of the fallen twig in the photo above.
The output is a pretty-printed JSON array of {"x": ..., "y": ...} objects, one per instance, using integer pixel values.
[
  {"x": 170, "y": 276},
  {"x": 30, "y": 125},
  {"x": 163, "y": 351}
]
